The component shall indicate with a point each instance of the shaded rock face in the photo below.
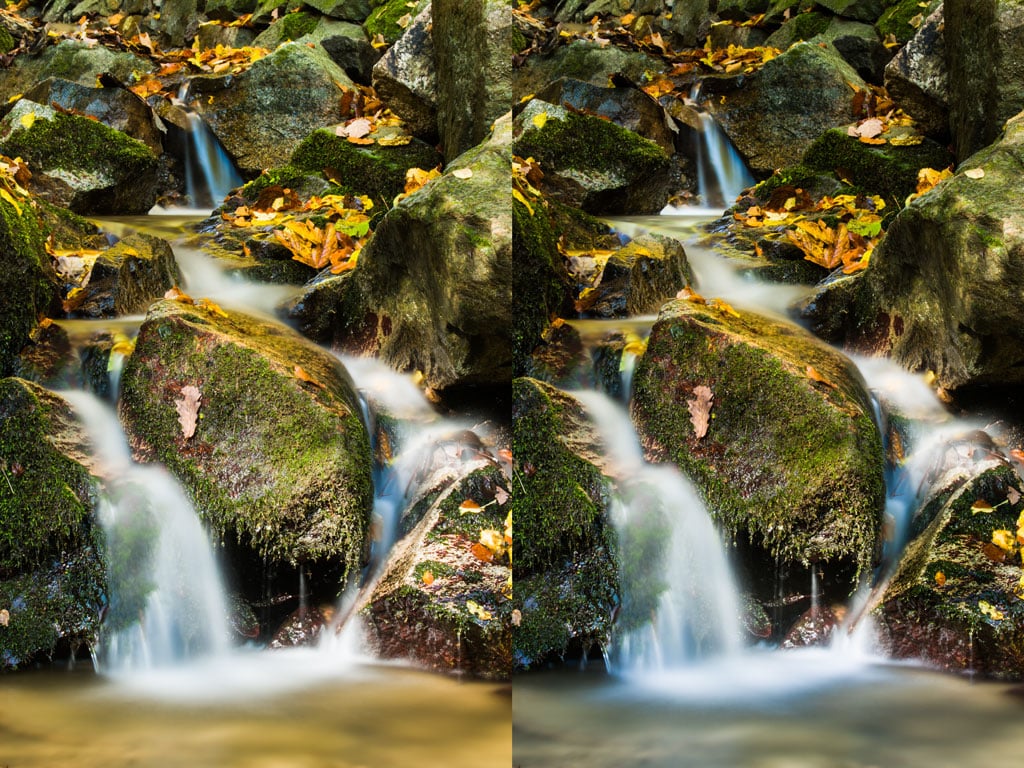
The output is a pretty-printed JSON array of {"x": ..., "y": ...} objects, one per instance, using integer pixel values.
[
  {"x": 918, "y": 80},
  {"x": 438, "y": 603},
  {"x": 984, "y": 90},
  {"x": 27, "y": 281},
  {"x": 278, "y": 458},
  {"x": 639, "y": 278},
  {"x": 473, "y": 51},
  {"x": 942, "y": 293},
  {"x": 581, "y": 60},
  {"x": 954, "y": 600},
  {"x": 79, "y": 163},
  {"x": 405, "y": 78},
  {"x": 786, "y": 105},
  {"x": 263, "y": 114},
  {"x": 591, "y": 163},
  {"x": 791, "y": 455},
  {"x": 69, "y": 60},
  {"x": 129, "y": 277},
  {"x": 566, "y": 580},
  {"x": 53, "y": 578},
  {"x": 433, "y": 288}
]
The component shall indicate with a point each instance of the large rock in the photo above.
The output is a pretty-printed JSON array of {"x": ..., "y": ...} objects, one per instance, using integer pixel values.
[
  {"x": 405, "y": 78},
  {"x": 592, "y": 163},
  {"x": 581, "y": 60},
  {"x": 787, "y": 104},
  {"x": 790, "y": 457},
  {"x": 27, "y": 280},
  {"x": 278, "y": 459},
  {"x": 439, "y": 604},
  {"x": 79, "y": 163},
  {"x": 638, "y": 278},
  {"x": 917, "y": 78},
  {"x": 128, "y": 277},
  {"x": 566, "y": 580},
  {"x": 52, "y": 578},
  {"x": 857, "y": 43},
  {"x": 261, "y": 115},
  {"x": 473, "y": 50},
  {"x": 347, "y": 10},
  {"x": 941, "y": 293},
  {"x": 860, "y": 10},
  {"x": 118, "y": 108},
  {"x": 389, "y": 19},
  {"x": 433, "y": 289},
  {"x": 307, "y": 28},
  {"x": 985, "y": 56},
  {"x": 955, "y": 598}
]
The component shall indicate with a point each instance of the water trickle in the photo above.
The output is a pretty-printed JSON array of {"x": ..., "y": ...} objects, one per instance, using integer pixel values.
[
  {"x": 209, "y": 173},
  {"x": 680, "y": 602},
  {"x": 721, "y": 173},
  {"x": 166, "y": 600}
]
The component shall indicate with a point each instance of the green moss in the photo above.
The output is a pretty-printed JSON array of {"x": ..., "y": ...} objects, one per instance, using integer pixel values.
[
  {"x": 895, "y": 20},
  {"x": 436, "y": 567},
  {"x": 6, "y": 40},
  {"x": 807, "y": 25},
  {"x": 584, "y": 142},
  {"x": 383, "y": 19},
  {"x": 74, "y": 143},
  {"x": 885, "y": 170},
  {"x": 295, "y": 25}
]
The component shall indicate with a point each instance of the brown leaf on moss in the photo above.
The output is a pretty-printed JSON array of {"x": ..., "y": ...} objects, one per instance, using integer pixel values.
[{"x": 700, "y": 409}]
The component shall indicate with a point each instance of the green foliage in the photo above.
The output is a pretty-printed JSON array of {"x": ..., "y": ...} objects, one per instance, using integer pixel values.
[{"x": 295, "y": 25}]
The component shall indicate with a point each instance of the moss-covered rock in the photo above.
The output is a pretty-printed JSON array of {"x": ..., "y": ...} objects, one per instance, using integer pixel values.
[
  {"x": 954, "y": 600},
  {"x": 791, "y": 456},
  {"x": 917, "y": 78},
  {"x": 437, "y": 603},
  {"x": 385, "y": 18},
  {"x": 898, "y": 17},
  {"x": 79, "y": 163},
  {"x": 279, "y": 458},
  {"x": 885, "y": 170},
  {"x": 566, "y": 576},
  {"x": 26, "y": 280},
  {"x": 307, "y": 28},
  {"x": 348, "y": 10},
  {"x": 375, "y": 171},
  {"x": 51, "y": 576},
  {"x": 638, "y": 278},
  {"x": 594, "y": 164},
  {"x": 581, "y": 60},
  {"x": 263, "y": 114},
  {"x": 787, "y": 104},
  {"x": 433, "y": 289},
  {"x": 128, "y": 277},
  {"x": 955, "y": 312},
  {"x": 405, "y": 78},
  {"x": 860, "y": 10}
]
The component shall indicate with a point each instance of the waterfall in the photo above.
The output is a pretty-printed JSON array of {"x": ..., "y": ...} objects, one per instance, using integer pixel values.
[
  {"x": 680, "y": 602},
  {"x": 166, "y": 601},
  {"x": 721, "y": 173},
  {"x": 209, "y": 173}
]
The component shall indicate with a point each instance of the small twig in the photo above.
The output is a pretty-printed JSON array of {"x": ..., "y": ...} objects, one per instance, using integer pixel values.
[{"x": 8, "y": 479}]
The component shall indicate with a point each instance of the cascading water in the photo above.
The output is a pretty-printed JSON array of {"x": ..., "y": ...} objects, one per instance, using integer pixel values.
[
  {"x": 209, "y": 172},
  {"x": 680, "y": 601},
  {"x": 721, "y": 173}
]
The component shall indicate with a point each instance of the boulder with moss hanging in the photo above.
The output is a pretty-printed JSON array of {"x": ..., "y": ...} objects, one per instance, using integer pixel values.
[
  {"x": 273, "y": 454},
  {"x": 52, "y": 577}
]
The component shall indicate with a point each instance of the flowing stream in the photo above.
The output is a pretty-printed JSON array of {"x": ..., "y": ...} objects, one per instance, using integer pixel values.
[
  {"x": 172, "y": 689},
  {"x": 678, "y": 690}
]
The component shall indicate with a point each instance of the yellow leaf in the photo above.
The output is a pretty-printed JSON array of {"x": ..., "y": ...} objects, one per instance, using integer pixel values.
[
  {"x": 540, "y": 119},
  {"x": 981, "y": 506},
  {"x": 15, "y": 97},
  {"x": 522, "y": 199},
  {"x": 990, "y": 610},
  {"x": 940, "y": 579},
  {"x": 27, "y": 119},
  {"x": 469, "y": 507},
  {"x": 428, "y": 577},
  {"x": 493, "y": 540},
  {"x": 462, "y": 173},
  {"x": 1005, "y": 540},
  {"x": 10, "y": 199},
  {"x": 475, "y": 609}
]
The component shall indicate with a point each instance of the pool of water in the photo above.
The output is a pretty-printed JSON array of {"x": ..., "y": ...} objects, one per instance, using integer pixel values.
[
  {"x": 774, "y": 710},
  {"x": 270, "y": 710}
]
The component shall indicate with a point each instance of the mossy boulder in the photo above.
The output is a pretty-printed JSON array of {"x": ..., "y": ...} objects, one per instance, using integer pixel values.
[
  {"x": 900, "y": 17},
  {"x": 307, "y": 28},
  {"x": 787, "y": 104},
  {"x": 228, "y": 10},
  {"x": 473, "y": 51},
  {"x": 566, "y": 581},
  {"x": 954, "y": 600},
  {"x": 985, "y": 57},
  {"x": 279, "y": 459},
  {"x": 941, "y": 293},
  {"x": 593, "y": 164},
  {"x": 388, "y": 18},
  {"x": 347, "y": 10},
  {"x": 51, "y": 574},
  {"x": 423, "y": 606},
  {"x": 638, "y": 278},
  {"x": 860, "y": 10},
  {"x": 791, "y": 456},
  {"x": 128, "y": 277},
  {"x": 858, "y": 43},
  {"x": 433, "y": 289},
  {"x": 264, "y": 113},
  {"x": 886, "y": 170},
  {"x": 27, "y": 280},
  {"x": 79, "y": 163},
  {"x": 917, "y": 78},
  {"x": 405, "y": 78},
  {"x": 72, "y": 60},
  {"x": 581, "y": 60},
  {"x": 375, "y": 171}
]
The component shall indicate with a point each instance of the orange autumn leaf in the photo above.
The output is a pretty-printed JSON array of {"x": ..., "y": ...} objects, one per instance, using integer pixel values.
[
  {"x": 481, "y": 553},
  {"x": 428, "y": 577}
]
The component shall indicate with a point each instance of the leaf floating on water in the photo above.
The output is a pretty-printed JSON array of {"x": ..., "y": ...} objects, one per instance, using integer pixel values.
[
  {"x": 700, "y": 409},
  {"x": 990, "y": 610},
  {"x": 478, "y": 610},
  {"x": 188, "y": 409},
  {"x": 974, "y": 173}
]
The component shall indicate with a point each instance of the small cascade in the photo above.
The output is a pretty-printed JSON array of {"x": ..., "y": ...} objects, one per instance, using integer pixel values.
[
  {"x": 166, "y": 598},
  {"x": 680, "y": 601},
  {"x": 721, "y": 173},
  {"x": 209, "y": 172}
]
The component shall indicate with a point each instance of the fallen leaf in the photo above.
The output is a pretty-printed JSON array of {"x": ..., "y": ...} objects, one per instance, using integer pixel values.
[
  {"x": 540, "y": 119},
  {"x": 1012, "y": 495},
  {"x": 362, "y": 141},
  {"x": 188, "y": 409},
  {"x": 1017, "y": 455},
  {"x": 871, "y": 140},
  {"x": 981, "y": 507},
  {"x": 5, "y": 617},
  {"x": 517, "y": 617},
  {"x": 428, "y": 577},
  {"x": 501, "y": 496},
  {"x": 27, "y": 119},
  {"x": 482, "y": 553},
  {"x": 991, "y": 611},
  {"x": 1005, "y": 540},
  {"x": 356, "y": 128},
  {"x": 974, "y": 173},
  {"x": 700, "y": 410},
  {"x": 176, "y": 294},
  {"x": 869, "y": 128},
  {"x": 479, "y": 611},
  {"x": 940, "y": 579},
  {"x": 493, "y": 540},
  {"x": 301, "y": 375},
  {"x": 469, "y": 507},
  {"x": 462, "y": 173}
]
